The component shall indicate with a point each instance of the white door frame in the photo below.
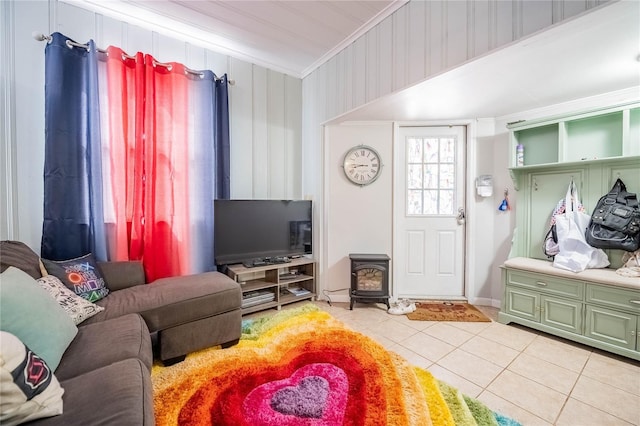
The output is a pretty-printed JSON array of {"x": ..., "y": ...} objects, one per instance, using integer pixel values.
[{"x": 470, "y": 173}]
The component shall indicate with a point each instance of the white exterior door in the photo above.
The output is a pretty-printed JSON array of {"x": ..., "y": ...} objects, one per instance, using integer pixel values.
[{"x": 429, "y": 212}]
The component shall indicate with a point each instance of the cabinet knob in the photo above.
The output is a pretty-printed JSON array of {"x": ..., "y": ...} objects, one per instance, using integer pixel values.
[{"x": 541, "y": 283}]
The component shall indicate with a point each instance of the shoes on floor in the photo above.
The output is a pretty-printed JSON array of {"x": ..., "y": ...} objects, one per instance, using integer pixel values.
[{"x": 403, "y": 307}]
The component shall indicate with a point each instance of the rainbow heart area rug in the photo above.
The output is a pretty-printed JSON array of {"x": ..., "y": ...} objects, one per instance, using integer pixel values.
[{"x": 303, "y": 367}]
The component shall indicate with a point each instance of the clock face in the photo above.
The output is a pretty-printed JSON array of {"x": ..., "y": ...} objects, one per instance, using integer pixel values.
[{"x": 362, "y": 165}]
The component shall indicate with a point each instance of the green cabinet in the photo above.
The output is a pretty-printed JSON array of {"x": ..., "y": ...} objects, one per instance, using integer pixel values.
[
  {"x": 522, "y": 303},
  {"x": 612, "y": 327},
  {"x": 534, "y": 297},
  {"x": 573, "y": 306},
  {"x": 562, "y": 314},
  {"x": 592, "y": 148},
  {"x": 614, "y": 316},
  {"x": 594, "y": 135}
]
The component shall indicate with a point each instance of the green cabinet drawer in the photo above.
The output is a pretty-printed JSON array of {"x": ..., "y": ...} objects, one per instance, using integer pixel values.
[
  {"x": 615, "y": 297},
  {"x": 522, "y": 303},
  {"x": 562, "y": 314},
  {"x": 547, "y": 284},
  {"x": 613, "y": 327}
]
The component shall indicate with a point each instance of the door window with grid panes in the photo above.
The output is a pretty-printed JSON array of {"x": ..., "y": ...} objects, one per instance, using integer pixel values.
[{"x": 430, "y": 175}]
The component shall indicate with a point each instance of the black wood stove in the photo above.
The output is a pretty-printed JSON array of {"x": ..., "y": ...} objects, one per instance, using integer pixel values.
[{"x": 369, "y": 278}]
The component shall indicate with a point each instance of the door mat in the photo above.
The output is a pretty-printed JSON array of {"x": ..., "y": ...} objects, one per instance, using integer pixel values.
[{"x": 447, "y": 311}]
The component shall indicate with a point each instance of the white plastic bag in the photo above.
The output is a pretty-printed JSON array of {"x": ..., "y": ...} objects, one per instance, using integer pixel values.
[{"x": 575, "y": 253}]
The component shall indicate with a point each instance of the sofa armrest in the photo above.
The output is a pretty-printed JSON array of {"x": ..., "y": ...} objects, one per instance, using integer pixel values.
[{"x": 122, "y": 274}]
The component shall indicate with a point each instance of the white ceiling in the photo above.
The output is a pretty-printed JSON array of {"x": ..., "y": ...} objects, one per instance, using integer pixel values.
[
  {"x": 290, "y": 36},
  {"x": 592, "y": 54}
]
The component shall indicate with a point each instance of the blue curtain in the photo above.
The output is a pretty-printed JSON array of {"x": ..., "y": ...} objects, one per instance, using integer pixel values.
[
  {"x": 221, "y": 138},
  {"x": 73, "y": 217}
]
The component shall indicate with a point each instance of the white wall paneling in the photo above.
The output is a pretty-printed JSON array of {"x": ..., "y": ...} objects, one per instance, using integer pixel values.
[
  {"x": 277, "y": 159},
  {"x": 242, "y": 129},
  {"x": 8, "y": 192},
  {"x": 265, "y": 108},
  {"x": 293, "y": 135},
  {"x": 400, "y": 54},
  {"x": 416, "y": 40},
  {"x": 384, "y": 83},
  {"x": 28, "y": 119},
  {"x": 419, "y": 41},
  {"x": 358, "y": 219}
]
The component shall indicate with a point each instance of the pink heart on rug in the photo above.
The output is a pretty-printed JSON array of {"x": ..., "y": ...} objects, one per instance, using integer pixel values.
[{"x": 315, "y": 394}]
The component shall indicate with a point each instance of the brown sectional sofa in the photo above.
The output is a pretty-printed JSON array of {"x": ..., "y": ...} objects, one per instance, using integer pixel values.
[{"x": 105, "y": 372}]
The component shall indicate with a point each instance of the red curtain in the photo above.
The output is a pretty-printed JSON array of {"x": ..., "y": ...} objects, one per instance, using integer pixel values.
[{"x": 149, "y": 163}]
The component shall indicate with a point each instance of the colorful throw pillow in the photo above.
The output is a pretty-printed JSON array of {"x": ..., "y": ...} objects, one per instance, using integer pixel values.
[
  {"x": 32, "y": 315},
  {"x": 78, "y": 308},
  {"x": 29, "y": 389},
  {"x": 82, "y": 275}
]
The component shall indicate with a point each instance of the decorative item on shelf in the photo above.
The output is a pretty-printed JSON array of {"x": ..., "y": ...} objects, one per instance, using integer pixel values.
[
  {"x": 520, "y": 155},
  {"x": 504, "y": 205}
]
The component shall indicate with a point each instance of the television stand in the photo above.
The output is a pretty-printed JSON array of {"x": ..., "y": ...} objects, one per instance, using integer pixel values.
[{"x": 274, "y": 285}]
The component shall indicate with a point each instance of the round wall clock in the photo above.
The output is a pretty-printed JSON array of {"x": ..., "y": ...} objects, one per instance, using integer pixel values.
[{"x": 362, "y": 165}]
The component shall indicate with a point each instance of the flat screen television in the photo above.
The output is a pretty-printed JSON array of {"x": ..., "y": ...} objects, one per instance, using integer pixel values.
[{"x": 246, "y": 230}]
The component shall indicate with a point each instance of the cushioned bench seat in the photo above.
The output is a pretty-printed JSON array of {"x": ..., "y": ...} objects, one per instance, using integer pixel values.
[{"x": 600, "y": 276}]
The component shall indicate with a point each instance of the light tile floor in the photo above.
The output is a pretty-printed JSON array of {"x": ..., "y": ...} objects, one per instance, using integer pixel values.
[{"x": 533, "y": 377}]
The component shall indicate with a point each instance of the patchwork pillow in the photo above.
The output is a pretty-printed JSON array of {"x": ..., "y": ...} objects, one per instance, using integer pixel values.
[
  {"x": 29, "y": 389},
  {"x": 78, "y": 308},
  {"x": 82, "y": 275},
  {"x": 32, "y": 315}
]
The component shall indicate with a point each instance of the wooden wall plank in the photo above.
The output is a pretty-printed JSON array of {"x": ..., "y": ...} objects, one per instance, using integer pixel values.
[
  {"x": 400, "y": 54},
  {"x": 76, "y": 23},
  {"x": 195, "y": 57},
  {"x": 359, "y": 71},
  {"x": 436, "y": 37},
  {"x": 293, "y": 136},
  {"x": 277, "y": 153},
  {"x": 479, "y": 39},
  {"x": 241, "y": 129},
  {"x": 332, "y": 81},
  {"x": 504, "y": 22},
  {"x": 385, "y": 52},
  {"x": 348, "y": 78},
  {"x": 26, "y": 150},
  {"x": 339, "y": 100},
  {"x": 416, "y": 53},
  {"x": 218, "y": 63},
  {"x": 260, "y": 138},
  {"x": 168, "y": 49},
  {"x": 572, "y": 8},
  {"x": 536, "y": 15},
  {"x": 372, "y": 77},
  {"x": 456, "y": 22},
  {"x": 138, "y": 40}
]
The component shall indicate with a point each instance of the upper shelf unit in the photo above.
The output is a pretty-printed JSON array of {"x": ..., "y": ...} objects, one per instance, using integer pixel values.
[{"x": 582, "y": 137}]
